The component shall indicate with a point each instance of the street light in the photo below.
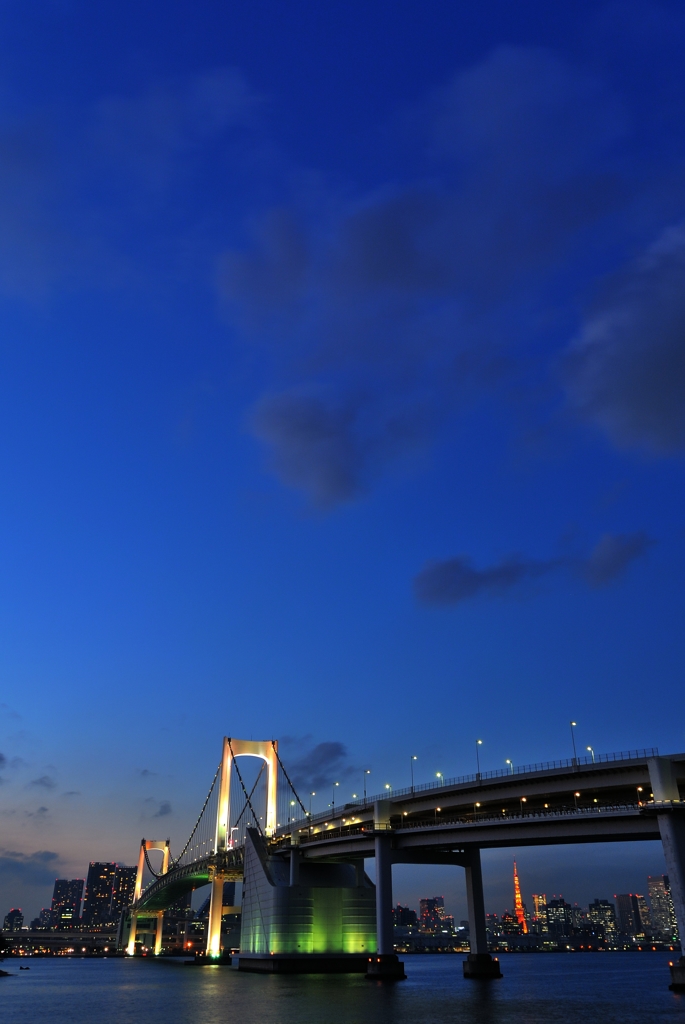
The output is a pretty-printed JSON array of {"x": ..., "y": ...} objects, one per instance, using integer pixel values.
[
  {"x": 524, "y": 799},
  {"x": 313, "y": 793},
  {"x": 411, "y": 764},
  {"x": 476, "y": 806},
  {"x": 639, "y": 798},
  {"x": 592, "y": 753},
  {"x": 479, "y": 743},
  {"x": 388, "y": 786},
  {"x": 367, "y": 771},
  {"x": 440, "y": 776},
  {"x": 573, "y": 740},
  {"x": 333, "y": 801},
  {"x": 575, "y": 797},
  {"x": 511, "y": 765}
]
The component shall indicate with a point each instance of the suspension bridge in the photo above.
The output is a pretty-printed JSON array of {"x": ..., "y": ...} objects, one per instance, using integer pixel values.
[{"x": 308, "y": 904}]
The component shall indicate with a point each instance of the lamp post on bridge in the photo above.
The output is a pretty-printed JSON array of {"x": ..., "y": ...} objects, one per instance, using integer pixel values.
[
  {"x": 440, "y": 776},
  {"x": 367, "y": 771},
  {"x": 313, "y": 793},
  {"x": 592, "y": 753},
  {"x": 333, "y": 801},
  {"x": 479, "y": 743},
  {"x": 511, "y": 765},
  {"x": 573, "y": 741},
  {"x": 411, "y": 764}
]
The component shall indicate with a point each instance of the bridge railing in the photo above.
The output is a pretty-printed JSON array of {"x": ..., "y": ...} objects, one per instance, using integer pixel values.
[
  {"x": 513, "y": 770},
  {"x": 462, "y": 780},
  {"x": 474, "y": 820}
]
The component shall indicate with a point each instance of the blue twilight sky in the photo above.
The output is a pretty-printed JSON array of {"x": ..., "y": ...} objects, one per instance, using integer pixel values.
[{"x": 342, "y": 400}]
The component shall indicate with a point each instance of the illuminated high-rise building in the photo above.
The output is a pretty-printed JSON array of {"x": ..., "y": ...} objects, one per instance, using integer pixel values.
[
  {"x": 14, "y": 920},
  {"x": 540, "y": 912},
  {"x": 559, "y": 917},
  {"x": 98, "y": 899},
  {"x": 123, "y": 888},
  {"x": 403, "y": 917},
  {"x": 603, "y": 916},
  {"x": 633, "y": 914},
  {"x": 431, "y": 914},
  {"x": 66, "y": 902},
  {"x": 663, "y": 912}
]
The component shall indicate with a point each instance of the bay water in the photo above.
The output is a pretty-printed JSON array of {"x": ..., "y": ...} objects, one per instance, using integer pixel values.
[{"x": 611, "y": 988}]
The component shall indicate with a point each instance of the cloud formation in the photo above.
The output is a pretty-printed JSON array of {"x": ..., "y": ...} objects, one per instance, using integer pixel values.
[
  {"x": 612, "y": 555},
  {"x": 454, "y": 580},
  {"x": 162, "y": 808},
  {"x": 44, "y": 782},
  {"x": 392, "y": 313},
  {"x": 33, "y": 868},
  {"x": 626, "y": 371},
  {"x": 323, "y": 765}
]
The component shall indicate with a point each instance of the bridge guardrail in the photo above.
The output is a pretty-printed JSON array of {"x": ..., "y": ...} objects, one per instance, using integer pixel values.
[
  {"x": 474, "y": 820},
  {"x": 497, "y": 773}
]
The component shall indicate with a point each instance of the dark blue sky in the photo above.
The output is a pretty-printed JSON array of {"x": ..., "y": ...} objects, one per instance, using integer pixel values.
[{"x": 342, "y": 400}]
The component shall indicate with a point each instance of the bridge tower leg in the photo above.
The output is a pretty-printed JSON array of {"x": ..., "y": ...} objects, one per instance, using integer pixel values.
[
  {"x": 267, "y": 751},
  {"x": 385, "y": 964},
  {"x": 672, "y": 829},
  {"x": 479, "y": 963},
  {"x": 131, "y": 946},
  {"x": 159, "y": 932}
]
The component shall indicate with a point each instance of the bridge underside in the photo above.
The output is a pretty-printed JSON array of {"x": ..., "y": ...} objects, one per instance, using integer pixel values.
[{"x": 176, "y": 884}]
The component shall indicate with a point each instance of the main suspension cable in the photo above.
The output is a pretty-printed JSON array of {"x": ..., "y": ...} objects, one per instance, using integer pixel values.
[
  {"x": 304, "y": 809},
  {"x": 175, "y": 863}
]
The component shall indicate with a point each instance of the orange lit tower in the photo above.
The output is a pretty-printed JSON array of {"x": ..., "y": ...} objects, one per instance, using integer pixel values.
[{"x": 518, "y": 903}]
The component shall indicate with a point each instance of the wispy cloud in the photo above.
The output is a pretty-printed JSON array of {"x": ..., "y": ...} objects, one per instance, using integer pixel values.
[
  {"x": 380, "y": 313},
  {"x": 626, "y": 371},
  {"x": 157, "y": 808},
  {"x": 43, "y": 782},
  {"x": 454, "y": 580},
  {"x": 321, "y": 765}
]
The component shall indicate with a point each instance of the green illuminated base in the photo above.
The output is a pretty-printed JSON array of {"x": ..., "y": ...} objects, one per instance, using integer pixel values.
[{"x": 304, "y": 963}]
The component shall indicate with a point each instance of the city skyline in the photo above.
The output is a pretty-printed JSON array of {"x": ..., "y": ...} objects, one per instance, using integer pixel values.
[{"x": 342, "y": 383}]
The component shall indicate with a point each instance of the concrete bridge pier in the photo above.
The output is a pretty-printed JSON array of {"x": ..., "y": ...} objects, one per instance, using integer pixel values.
[
  {"x": 670, "y": 816},
  {"x": 385, "y": 965},
  {"x": 479, "y": 963}
]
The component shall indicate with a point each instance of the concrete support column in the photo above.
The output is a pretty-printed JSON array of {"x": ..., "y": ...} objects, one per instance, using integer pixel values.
[
  {"x": 384, "y": 966},
  {"x": 159, "y": 932},
  {"x": 384, "y": 930},
  {"x": 672, "y": 830},
  {"x": 479, "y": 963},
  {"x": 295, "y": 865},
  {"x": 476, "y": 904},
  {"x": 131, "y": 945},
  {"x": 214, "y": 923}
]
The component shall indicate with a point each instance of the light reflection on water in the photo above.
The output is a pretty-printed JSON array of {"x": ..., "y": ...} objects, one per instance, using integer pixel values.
[{"x": 614, "y": 988}]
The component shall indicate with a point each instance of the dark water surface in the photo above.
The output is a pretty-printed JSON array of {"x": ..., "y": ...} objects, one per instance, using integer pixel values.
[{"x": 611, "y": 988}]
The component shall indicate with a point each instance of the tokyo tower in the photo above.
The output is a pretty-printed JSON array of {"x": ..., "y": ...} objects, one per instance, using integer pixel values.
[{"x": 518, "y": 903}]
